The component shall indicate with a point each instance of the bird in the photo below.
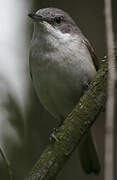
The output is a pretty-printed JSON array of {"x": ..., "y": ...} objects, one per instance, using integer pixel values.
[{"x": 62, "y": 63}]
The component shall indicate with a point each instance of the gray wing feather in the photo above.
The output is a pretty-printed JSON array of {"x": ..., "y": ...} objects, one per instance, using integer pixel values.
[{"x": 92, "y": 52}]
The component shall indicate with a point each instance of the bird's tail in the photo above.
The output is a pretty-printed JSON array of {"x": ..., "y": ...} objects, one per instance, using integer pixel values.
[{"x": 88, "y": 155}]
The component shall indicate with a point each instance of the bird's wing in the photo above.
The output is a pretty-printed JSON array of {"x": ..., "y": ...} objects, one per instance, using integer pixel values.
[{"x": 92, "y": 52}]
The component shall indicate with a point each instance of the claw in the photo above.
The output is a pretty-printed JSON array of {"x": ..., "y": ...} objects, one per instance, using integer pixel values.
[{"x": 53, "y": 136}]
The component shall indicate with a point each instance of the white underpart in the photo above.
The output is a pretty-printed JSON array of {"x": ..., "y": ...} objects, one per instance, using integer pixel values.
[{"x": 61, "y": 66}]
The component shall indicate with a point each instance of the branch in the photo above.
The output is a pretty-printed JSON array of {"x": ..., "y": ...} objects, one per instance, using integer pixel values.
[
  {"x": 109, "y": 131},
  {"x": 72, "y": 130}
]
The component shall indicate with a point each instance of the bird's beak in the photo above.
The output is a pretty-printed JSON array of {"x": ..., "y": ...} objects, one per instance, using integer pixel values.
[{"x": 35, "y": 17}]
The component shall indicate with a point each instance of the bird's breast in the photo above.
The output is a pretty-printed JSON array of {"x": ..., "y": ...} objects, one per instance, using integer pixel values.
[{"x": 59, "y": 74}]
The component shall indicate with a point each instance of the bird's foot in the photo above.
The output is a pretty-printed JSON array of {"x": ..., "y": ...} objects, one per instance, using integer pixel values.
[
  {"x": 53, "y": 135},
  {"x": 86, "y": 85}
]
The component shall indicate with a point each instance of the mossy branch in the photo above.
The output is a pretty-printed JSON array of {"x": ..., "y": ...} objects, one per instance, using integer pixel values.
[{"x": 72, "y": 130}]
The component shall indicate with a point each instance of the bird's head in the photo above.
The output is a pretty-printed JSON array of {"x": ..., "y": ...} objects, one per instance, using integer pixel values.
[{"x": 53, "y": 20}]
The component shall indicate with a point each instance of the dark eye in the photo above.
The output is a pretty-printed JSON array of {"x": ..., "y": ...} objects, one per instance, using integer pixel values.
[{"x": 58, "y": 20}]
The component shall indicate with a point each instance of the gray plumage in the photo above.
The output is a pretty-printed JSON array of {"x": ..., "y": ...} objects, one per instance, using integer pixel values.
[{"x": 62, "y": 63}]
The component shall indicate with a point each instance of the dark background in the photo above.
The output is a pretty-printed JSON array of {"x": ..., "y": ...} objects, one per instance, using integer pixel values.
[{"x": 24, "y": 125}]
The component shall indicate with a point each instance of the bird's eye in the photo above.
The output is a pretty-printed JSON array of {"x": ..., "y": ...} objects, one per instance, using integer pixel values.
[{"x": 58, "y": 20}]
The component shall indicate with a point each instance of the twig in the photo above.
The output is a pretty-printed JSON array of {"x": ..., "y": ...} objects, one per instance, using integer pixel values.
[
  {"x": 109, "y": 126},
  {"x": 7, "y": 163}
]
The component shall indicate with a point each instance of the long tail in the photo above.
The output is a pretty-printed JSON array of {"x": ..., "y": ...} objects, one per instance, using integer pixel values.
[{"x": 88, "y": 155}]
